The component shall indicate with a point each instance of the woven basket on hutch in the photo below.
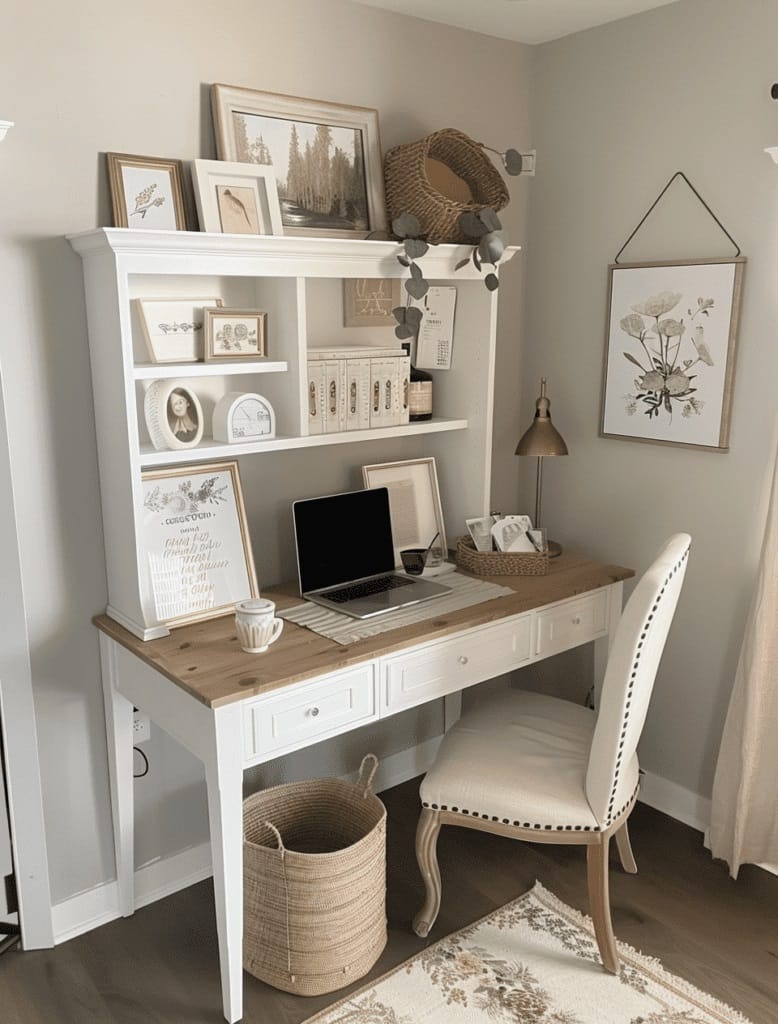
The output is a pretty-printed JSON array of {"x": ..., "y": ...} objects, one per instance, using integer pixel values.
[
  {"x": 409, "y": 190},
  {"x": 314, "y": 883},
  {"x": 500, "y": 563}
]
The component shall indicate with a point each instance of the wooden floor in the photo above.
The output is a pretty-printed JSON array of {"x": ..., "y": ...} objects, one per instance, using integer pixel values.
[{"x": 160, "y": 966}]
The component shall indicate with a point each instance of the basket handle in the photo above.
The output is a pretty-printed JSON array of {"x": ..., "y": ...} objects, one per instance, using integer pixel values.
[
  {"x": 365, "y": 786},
  {"x": 282, "y": 851},
  {"x": 279, "y": 840}
]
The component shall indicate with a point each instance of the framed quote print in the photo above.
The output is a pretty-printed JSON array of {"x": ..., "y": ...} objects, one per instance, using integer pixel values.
[{"x": 196, "y": 542}]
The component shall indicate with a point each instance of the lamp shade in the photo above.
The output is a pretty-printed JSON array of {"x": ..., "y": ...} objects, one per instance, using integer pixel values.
[{"x": 542, "y": 438}]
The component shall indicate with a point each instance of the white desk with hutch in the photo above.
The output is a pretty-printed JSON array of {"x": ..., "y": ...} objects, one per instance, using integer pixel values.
[{"x": 234, "y": 710}]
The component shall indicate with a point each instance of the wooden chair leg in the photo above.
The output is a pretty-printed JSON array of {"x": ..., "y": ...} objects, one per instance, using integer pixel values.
[
  {"x": 625, "y": 850},
  {"x": 427, "y": 857},
  {"x": 599, "y": 903}
]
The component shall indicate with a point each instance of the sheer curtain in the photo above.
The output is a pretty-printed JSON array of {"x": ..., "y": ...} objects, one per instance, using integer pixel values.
[{"x": 744, "y": 820}]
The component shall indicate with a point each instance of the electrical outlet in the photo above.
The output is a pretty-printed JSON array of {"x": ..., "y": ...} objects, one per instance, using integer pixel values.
[{"x": 141, "y": 727}]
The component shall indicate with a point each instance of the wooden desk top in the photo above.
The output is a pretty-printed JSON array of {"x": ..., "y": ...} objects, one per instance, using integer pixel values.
[{"x": 205, "y": 658}]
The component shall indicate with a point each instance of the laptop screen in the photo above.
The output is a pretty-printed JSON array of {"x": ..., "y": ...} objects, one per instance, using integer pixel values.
[{"x": 343, "y": 537}]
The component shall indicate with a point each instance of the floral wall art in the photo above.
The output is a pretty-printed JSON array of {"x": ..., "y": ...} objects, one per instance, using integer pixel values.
[{"x": 669, "y": 354}]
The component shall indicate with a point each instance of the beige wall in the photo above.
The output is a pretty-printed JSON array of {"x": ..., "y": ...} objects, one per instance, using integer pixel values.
[
  {"x": 83, "y": 78},
  {"x": 617, "y": 111}
]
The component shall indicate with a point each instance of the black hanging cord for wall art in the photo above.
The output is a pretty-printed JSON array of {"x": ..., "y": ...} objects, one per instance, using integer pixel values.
[{"x": 679, "y": 174}]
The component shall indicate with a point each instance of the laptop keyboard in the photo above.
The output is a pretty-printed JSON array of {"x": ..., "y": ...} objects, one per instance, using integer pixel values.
[{"x": 366, "y": 588}]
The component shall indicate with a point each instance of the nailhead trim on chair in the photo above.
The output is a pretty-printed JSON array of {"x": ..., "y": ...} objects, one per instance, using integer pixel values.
[
  {"x": 644, "y": 633},
  {"x": 528, "y": 824}
]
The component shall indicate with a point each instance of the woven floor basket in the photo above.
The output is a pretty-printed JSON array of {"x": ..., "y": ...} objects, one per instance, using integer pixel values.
[
  {"x": 409, "y": 190},
  {"x": 500, "y": 563},
  {"x": 314, "y": 883}
]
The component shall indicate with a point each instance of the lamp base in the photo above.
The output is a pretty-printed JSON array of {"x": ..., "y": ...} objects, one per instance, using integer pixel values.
[{"x": 554, "y": 549}]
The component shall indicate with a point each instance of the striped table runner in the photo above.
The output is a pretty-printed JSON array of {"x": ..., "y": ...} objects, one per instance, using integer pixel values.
[{"x": 465, "y": 591}]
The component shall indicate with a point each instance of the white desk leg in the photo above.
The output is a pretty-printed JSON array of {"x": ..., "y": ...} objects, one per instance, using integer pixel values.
[
  {"x": 602, "y": 648},
  {"x": 224, "y": 778},
  {"x": 118, "y": 729},
  {"x": 452, "y": 709}
]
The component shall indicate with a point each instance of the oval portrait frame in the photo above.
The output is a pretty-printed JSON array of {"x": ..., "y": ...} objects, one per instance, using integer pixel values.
[{"x": 155, "y": 410}]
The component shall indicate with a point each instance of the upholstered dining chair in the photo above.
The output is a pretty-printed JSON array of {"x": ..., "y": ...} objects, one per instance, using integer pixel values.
[{"x": 546, "y": 770}]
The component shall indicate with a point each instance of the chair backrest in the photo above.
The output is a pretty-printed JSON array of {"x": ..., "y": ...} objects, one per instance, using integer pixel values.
[{"x": 629, "y": 678}]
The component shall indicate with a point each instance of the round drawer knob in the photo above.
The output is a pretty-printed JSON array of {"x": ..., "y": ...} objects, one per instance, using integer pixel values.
[
  {"x": 463, "y": 659},
  {"x": 313, "y": 712},
  {"x": 576, "y": 620}
]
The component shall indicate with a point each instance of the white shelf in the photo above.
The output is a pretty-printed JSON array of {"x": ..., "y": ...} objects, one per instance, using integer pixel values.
[
  {"x": 216, "y": 368},
  {"x": 297, "y": 281},
  {"x": 208, "y": 450}
]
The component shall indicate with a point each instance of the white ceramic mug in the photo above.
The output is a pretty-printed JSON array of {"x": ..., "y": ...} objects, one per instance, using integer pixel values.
[{"x": 257, "y": 624}]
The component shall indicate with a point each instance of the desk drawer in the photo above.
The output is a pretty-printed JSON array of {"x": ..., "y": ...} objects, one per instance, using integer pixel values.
[
  {"x": 309, "y": 712},
  {"x": 571, "y": 624},
  {"x": 446, "y": 667}
]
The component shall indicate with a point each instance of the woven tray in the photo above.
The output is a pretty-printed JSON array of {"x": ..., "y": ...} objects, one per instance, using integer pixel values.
[
  {"x": 409, "y": 190},
  {"x": 500, "y": 563}
]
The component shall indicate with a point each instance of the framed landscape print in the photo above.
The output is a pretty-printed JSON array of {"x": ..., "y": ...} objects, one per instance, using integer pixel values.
[
  {"x": 670, "y": 345},
  {"x": 146, "y": 192},
  {"x": 234, "y": 334},
  {"x": 326, "y": 157},
  {"x": 236, "y": 199},
  {"x": 196, "y": 542}
]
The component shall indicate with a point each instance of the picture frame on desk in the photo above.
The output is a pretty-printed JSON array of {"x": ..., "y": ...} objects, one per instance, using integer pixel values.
[
  {"x": 146, "y": 192},
  {"x": 269, "y": 128},
  {"x": 196, "y": 542},
  {"x": 236, "y": 198},
  {"x": 414, "y": 503}
]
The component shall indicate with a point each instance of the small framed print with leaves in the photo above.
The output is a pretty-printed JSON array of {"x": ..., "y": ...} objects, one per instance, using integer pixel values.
[
  {"x": 146, "y": 192},
  {"x": 235, "y": 334},
  {"x": 670, "y": 351}
]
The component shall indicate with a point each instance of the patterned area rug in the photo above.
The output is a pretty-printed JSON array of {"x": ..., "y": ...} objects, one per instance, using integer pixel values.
[{"x": 533, "y": 961}]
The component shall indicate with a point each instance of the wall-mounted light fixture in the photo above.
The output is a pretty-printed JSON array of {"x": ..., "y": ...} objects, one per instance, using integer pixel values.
[{"x": 4, "y": 126}]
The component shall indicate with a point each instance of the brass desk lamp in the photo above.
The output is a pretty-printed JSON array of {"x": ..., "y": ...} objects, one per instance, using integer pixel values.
[{"x": 542, "y": 439}]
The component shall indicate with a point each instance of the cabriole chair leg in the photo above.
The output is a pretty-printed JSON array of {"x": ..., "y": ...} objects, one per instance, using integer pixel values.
[
  {"x": 426, "y": 854},
  {"x": 625, "y": 850},
  {"x": 599, "y": 902}
]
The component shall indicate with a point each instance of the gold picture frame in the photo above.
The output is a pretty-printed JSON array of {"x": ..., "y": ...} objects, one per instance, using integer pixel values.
[
  {"x": 232, "y": 334},
  {"x": 269, "y": 128},
  {"x": 147, "y": 192},
  {"x": 196, "y": 542}
]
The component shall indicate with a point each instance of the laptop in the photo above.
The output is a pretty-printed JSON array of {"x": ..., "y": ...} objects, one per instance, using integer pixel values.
[{"x": 345, "y": 555}]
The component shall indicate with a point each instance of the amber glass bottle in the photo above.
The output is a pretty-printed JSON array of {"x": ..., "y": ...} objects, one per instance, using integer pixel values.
[{"x": 419, "y": 392}]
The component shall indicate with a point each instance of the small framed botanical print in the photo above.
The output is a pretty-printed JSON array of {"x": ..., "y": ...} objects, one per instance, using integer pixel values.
[
  {"x": 234, "y": 334},
  {"x": 146, "y": 192}
]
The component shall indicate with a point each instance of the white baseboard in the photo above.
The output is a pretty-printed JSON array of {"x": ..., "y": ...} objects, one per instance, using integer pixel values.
[
  {"x": 674, "y": 800},
  {"x": 87, "y": 910},
  {"x": 163, "y": 877}
]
